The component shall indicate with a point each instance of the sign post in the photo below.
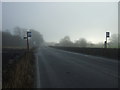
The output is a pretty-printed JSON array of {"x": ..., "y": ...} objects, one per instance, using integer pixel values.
[
  {"x": 28, "y": 35},
  {"x": 107, "y": 35},
  {"x": 27, "y": 42}
]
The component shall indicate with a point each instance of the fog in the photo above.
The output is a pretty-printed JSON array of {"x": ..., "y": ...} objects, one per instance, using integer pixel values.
[
  {"x": 55, "y": 20},
  {"x": 77, "y": 28},
  {"x": 16, "y": 39}
]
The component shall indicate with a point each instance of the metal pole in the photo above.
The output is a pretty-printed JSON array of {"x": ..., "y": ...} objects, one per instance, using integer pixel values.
[
  {"x": 27, "y": 43},
  {"x": 106, "y": 41}
]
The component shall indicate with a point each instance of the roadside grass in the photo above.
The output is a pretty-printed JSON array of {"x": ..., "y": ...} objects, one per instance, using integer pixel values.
[{"x": 21, "y": 74}]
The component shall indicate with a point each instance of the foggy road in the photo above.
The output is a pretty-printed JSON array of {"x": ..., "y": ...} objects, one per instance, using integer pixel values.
[{"x": 61, "y": 69}]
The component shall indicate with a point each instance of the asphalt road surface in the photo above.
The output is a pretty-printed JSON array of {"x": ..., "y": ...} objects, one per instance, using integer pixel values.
[{"x": 61, "y": 69}]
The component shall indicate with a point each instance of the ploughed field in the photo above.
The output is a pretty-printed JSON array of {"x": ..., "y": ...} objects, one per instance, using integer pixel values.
[{"x": 10, "y": 56}]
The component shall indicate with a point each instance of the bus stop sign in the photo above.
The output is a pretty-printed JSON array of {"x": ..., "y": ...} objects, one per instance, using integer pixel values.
[
  {"x": 25, "y": 37},
  {"x": 29, "y": 34},
  {"x": 107, "y": 34}
]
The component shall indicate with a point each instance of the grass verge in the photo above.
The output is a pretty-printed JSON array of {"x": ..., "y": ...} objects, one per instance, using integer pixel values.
[{"x": 21, "y": 74}]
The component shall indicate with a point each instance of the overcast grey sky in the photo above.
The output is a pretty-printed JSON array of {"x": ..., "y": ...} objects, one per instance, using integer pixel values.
[{"x": 89, "y": 20}]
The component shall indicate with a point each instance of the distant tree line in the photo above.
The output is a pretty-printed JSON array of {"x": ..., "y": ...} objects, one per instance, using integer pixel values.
[
  {"x": 15, "y": 38},
  {"x": 114, "y": 42}
]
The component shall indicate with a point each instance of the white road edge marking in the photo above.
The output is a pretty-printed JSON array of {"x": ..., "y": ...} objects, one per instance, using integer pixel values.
[{"x": 37, "y": 73}]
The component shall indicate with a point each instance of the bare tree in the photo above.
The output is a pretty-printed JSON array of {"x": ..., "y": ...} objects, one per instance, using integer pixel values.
[
  {"x": 114, "y": 41},
  {"x": 66, "y": 42},
  {"x": 81, "y": 43},
  {"x": 16, "y": 39},
  {"x": 19, "y": 31},
  {"x": 36, "y": 39}
]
